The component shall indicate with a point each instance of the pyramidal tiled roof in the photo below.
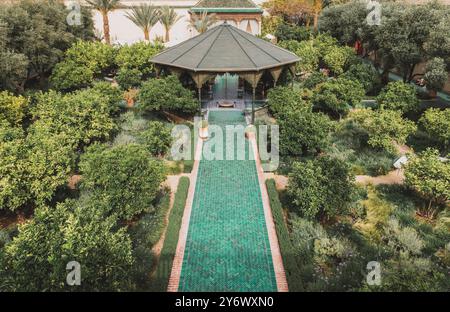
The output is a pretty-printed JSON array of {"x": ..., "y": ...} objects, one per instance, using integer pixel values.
[{"x": 225, "y": 48}]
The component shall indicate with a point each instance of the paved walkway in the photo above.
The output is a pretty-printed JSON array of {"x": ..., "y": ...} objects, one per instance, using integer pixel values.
[{"x": 230, "y": 244}]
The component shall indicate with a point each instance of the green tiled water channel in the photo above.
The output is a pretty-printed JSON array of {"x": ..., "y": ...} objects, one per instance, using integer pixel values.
[{"x": 227, "y": 247}]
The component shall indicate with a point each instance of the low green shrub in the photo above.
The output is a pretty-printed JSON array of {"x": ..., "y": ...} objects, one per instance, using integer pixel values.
[
  {"x": 144, "y": 235},
  {"x": 168, "y": 251},
  {"x": 291, "y": 267}
]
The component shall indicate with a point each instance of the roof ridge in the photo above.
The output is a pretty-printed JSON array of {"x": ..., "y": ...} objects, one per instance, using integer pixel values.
[
  {"x": 211, "y": 31},
  {"x": 243, "y": 50},
  {"x": 238, "y": 31},
  {"x": 212, "y": 44}
]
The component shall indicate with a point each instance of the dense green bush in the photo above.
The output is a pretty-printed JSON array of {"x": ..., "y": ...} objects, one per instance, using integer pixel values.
[
  {"x": 365, "y": 74},
  {"x": 303, "y": 132},
  {"x": 12, "y": 108},
  {"x": 315, "y": 79},
  {"x": 284, "y": 99},
  {"x": 349, "y": 143},
  {"x": 69, "y": 75},
  {"x": 144, "y": 235},
  {"x": 321, "y": 188},
  {"x": 398, "y": 96},
  {"x": 429, "y": 176},
  {"x": 136, "y": 57},
  {"x": 385, "y": 128},
  {"x": 338, "y": 59},
  {"x": 33, "y": 39},
  {"x": 169, "y": 249},
  {"x": 436, "y": 74},
  {"x": 291, "y": 266},
  {"x": 85, "y": 116},
  {"x": 307, "y": 51},
  {"x": 36, "y": 259},
  {"x": 50, "y": 160},
  {"x": 437, "y": 125},
  {"x": 157, "y": 138},
  {"x": 124, "y": 178},
  {"x": 83, "y": 62},
  {"x": 128, "y": 78},
  {"x": 166, "y": 94},
  {"x": 338, "y": 96},
  {"x": 14, "y": 191},
  {"x": 286, "y": 32}
]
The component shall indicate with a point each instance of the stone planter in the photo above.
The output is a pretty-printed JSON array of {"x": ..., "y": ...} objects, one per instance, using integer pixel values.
[{"x": 203, "y": 130}]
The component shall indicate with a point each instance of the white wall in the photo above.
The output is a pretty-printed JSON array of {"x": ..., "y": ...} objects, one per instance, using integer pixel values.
[{"x": 123, "y": 31}]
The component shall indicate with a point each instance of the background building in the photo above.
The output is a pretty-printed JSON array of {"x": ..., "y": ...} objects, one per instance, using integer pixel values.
[{"x": 244, "y": 14}]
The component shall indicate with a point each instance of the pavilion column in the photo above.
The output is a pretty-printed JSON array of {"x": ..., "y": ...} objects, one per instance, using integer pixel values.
[
  {"x": 200, "y": 80},
  {"x": 253, "y": 79},
  {"x": 276, "y": 73},
  {"x": 253, "y": 105}
]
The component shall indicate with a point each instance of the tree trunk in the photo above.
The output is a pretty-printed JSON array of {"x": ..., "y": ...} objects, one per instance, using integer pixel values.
[
  {"x": 411, "y": 73},
  {"x": 385, "y": 76},
  {"x": 106, "y": 27},
  {"x": 316, "y": 21},
  {"x": 167, "y": 34},
  {"x": 147, "y": 34}
]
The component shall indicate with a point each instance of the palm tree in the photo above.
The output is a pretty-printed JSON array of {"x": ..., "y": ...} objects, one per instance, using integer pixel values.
[
  {"x": 203, "y": 22},
  {"x": 168, "y": 17},
  {"x": 104, "y": 7},
  {"x": 145, "y": 17}
]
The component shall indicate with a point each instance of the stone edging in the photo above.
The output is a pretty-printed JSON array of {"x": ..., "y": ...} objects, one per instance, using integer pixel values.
[{"x": 280, "y": 274}]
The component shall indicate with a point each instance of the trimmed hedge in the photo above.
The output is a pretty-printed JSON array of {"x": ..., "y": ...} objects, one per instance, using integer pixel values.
[
  {"x": 291, "y": 267},
  {"x": 168, "y": 251}
]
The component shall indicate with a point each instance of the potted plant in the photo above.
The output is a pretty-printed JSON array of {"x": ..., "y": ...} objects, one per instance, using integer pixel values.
[
  {"x": 203, "y": 127},
  {"x": 130, "y": 97}
]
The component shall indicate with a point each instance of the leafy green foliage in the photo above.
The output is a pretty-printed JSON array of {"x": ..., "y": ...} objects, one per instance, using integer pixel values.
[
  {"x": 437, "y": 125},
  {"x": 303, "y": 132},
  {"x": 157, "y": 138},
  {"x": 123, "y": 177},
  {"x": 13, "y": 189},
  {"x": 436, "y": 74},
  {"x": 69, "y": 75},
  {"x": 306, "y": 50},
  {"x": 129, "y": 78},
  {"x": 166, "y": 94},
  {"x": 36, "y": 259},
  {"x": 36, "y": 36},
  {"x": 365, "y": 74},
  {"x": 349, "y": 143},
  {"x": 321, "y": 188},
  {"x": 84, "y": 116},
  {"x": 50, "y": 161},
  {"x": 12, "y": 108},
  {"x": 314, "y": 80},
  {"x": 337, "y": 59},
  {"x": 429, "y": 176},
  {"x": 293, "y": 272},
  {"x": 398, "y": 96},
  {"x": 83, "y": 62},
  {"x": 338, "y": 96},
  {"x": 137, "y": 57},
  {"x": 384, "y": 128},
  {"x": 284, "y": 99},
  {"x": 171, "y": 238},
  {"x": 285, "y": 32},
  {"x": 408, "y": 35}
]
